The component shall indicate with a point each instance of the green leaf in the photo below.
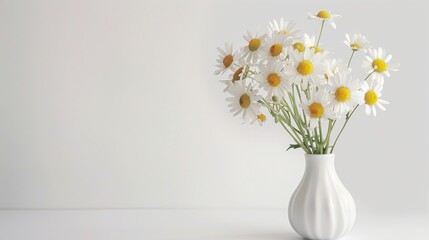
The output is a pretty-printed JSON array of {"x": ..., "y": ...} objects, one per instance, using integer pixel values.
[{"x": 293, "y": 146}]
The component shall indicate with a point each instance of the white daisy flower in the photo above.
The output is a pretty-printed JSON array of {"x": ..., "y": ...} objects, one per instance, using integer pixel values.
[
  {"x": 252, "y": 50},
  {"x": 306, "y": 42},
  {"x": 335, "y": 66},
  {"x": 238, "y": 68},
  {"x": 273, "y": 80},
  {"x": 275, "y": 47},
  {"x": 261, "y": 118},
  {"x": 306, "y": 66},
  {"x": 310, "y": 42},
  {"x": 377, "y": 63},
  {"x": 372, "y": 93},
  {"x": 345, "y": 93},
  {"x": 244, "y": 100},
  {"x": 298, "y": 46},
  {"x": 283, "y": 27},
  {"x": 317, "y": 107},
  {"x": 325, "y": 15},
  {"x": 225, "y": 59},
  {"x": 357, "y": 43}
]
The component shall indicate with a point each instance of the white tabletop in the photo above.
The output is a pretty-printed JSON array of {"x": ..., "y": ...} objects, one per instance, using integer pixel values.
[{"x": 144, "y": 224}]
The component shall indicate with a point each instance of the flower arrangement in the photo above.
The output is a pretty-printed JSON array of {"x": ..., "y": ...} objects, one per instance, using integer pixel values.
[{"x": 305, "y": 88}]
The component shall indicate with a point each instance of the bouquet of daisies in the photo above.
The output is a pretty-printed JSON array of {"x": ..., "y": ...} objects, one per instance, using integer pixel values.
[{"x": 304, "y": 87}]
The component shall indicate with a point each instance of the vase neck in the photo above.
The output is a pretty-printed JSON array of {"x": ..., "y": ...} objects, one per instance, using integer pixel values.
[{"x": 320, "y": 162}]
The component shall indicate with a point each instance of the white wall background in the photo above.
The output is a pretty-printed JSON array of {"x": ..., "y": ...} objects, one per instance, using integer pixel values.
[{"x": 112, "y": 104}]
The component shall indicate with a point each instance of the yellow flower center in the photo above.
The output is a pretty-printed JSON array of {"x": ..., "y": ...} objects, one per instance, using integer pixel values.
[
  {"x": 262, "y": 117},
  {"x": 316, "y": 110},
  {"x": 284, "y": 32},
  {"x": 273, "y": 79},
  {"x": 371, "y": 97},
  {"x": 244, "y": 101},
  {"x": 342, "y": 94},
  {"x": 299, "y": 46},
  {"x": 237, "y": 74},
  {"x": 227, "y": 60},
  {"x": 254, "y": 44},
  {"x": 276, "y": 49},
  {"x": 316, "y": 49},
  {"x": 305, "y": 67},
  {"x": 379, "y": 65},
  {"x": 355, "y": 46},
  {"x": 324, "y": 14}
]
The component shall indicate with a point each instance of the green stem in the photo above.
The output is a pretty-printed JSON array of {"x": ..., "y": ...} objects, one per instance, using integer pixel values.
[
  {"x": 316, "y": 137},
  {"x": 328, "y": 135},
  {"x": 282, "y": 121},
  {"x": 304, "y": 116},
  {"x": 320, "y": 33},
  {"x": 369, "y": 75},
  {"x": 297, "y": 118},
  {"x": 350, "y": 60},
  {"x": 296, "y": 141},
  {"x": 348, "y": 116}
]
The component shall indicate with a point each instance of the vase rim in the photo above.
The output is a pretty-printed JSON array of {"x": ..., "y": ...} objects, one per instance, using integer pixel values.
[{"x": 329, "y": 154}]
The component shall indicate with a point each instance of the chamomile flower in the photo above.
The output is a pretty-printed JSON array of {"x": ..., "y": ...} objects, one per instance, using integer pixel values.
[
  {"x": 244, "y": 101},
  {"x": 325, "y": 15},
  {"x": 253, "y": 48},
  {"x": 306, "y": 67},
  {"x": 275, "y": 47},
  {"x": 239, "y": 67},
  {"x": 261, "y": 118},
  {"x": 372, "y": 93},
  {"x": 317, "y": 107},
  {"x": 345, "y": 93},
  {"x": 306, "y": 42},
  {"x": 310, "y": 42},
  {"x": 335, "y": 66},
  {"x": 225, "y": 59},
  {"x": 283, "y": 27},
  {"x": 357, "y": 43},
  {"x": 377, "y": 64},
  {"x": 298, "y": 46},
  {"x": 273, "y": 80}
]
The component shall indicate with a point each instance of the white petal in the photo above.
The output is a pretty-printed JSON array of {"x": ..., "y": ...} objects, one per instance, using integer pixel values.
[
  {"x": 367, "y": 110},
  {"x": 245, "y": 115},
  {"x": 313, "y": 122},
  {"x": 383, "y": 101},
  {"x": 388, "y": 58},
  {"x": 381, "y": 106},
  {"x": 238, "y": 112}
]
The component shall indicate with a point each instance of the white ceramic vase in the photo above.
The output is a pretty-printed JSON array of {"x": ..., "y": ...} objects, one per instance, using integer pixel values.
[{"x": 321, "y": 207}]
